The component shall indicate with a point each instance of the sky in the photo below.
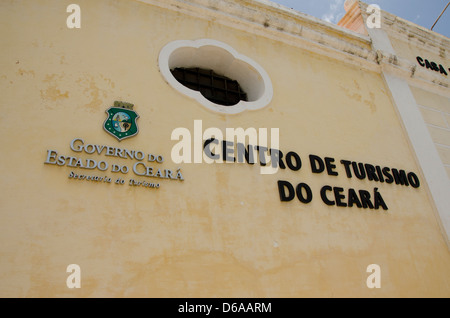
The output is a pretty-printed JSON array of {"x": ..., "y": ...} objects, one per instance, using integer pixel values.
[{"x": 421, "y": 12}]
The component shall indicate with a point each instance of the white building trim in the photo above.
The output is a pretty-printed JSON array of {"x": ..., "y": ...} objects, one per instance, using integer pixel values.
[
  {"x": 429, "y": 160},
  {"x": 222, "y": 59}
]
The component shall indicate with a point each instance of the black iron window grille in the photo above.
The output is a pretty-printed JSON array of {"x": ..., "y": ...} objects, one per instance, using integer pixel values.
[{"x": 214, "y": 87}]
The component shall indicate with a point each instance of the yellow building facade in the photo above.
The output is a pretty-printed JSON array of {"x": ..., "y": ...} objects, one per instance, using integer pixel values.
[{"x": 357, "y": 122}]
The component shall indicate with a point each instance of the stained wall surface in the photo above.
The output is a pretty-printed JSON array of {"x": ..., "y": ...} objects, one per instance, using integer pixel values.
[
  {"x": 223, "y": 231},
  {"x": 433, "y": 105}
]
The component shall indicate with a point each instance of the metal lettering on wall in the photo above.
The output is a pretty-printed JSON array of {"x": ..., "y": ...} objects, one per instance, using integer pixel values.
[
  {"x": 120, "y": 123},
  {"x": 143, "y": 167}
]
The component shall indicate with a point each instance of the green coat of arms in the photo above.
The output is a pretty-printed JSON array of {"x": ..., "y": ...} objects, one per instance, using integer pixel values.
[{"x": 121, "y": 121}]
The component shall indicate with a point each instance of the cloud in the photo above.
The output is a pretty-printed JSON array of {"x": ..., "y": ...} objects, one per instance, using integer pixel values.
[
  {"x": 329, "y": 17},
  {"x": 336, "y": 4},
  {"x": 335, "y": 11}
]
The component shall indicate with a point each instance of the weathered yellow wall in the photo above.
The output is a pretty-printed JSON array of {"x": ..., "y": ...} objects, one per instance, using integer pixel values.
[
  {"x": 223, "y": 231},
  {"x": 435, "y": 108}
]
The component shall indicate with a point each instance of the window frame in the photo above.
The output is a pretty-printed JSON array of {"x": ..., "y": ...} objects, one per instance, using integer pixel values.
[{"x": 221, "y": 58}]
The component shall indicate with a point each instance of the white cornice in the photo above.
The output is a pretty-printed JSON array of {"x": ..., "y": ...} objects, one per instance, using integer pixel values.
[
  {"x": 413, "y": 73},
  {"x": 276, "y": 22},
  {"x": 279, "y": 23},
  {"x": 399, "y": 29},
  {"x": 402, "y": 29}
]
